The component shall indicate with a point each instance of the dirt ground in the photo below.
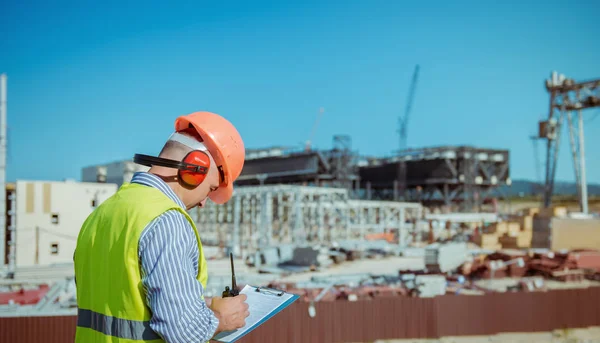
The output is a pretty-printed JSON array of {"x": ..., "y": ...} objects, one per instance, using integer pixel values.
[
  {"x": 588, "y": 335},
  {"x": 515, "y": 206}
]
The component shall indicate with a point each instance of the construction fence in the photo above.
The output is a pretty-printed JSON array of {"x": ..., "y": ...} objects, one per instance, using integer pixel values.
[{"x": 383, "y": 318}]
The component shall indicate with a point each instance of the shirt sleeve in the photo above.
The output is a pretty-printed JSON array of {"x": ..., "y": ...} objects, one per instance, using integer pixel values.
[{"x": 169, "y": 258}]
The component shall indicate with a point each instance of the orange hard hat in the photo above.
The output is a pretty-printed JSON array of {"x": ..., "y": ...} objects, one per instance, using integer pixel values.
[{"x": 225, "y": 145}]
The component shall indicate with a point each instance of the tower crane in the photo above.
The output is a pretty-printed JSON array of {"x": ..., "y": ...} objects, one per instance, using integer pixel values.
[
  {"x": 402, "y": 131},
  {"x": 403, "y": 121}
]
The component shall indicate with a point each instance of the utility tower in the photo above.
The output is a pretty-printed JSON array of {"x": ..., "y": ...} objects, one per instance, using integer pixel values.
[
  {"x": 567, "y": 99},
  {"x": 403, "y": 131}
]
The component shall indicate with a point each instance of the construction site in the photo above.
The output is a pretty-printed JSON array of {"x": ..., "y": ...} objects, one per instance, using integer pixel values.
[{"x": 422, "y": 237}]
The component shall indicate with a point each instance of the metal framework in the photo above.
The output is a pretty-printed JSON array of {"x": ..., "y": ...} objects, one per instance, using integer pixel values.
[
  {"x": 567, "y": 99},
  {"x": 11, "y": 217},
  {"x": 3, "y": 240},
  {"x": 261, "y": 216},
  {"x": 343, "y": 162},
  {"x": 446, "y": 175}
]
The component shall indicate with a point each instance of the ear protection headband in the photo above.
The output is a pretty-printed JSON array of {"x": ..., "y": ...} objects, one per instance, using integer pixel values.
[{"x": 192, "y": 169}]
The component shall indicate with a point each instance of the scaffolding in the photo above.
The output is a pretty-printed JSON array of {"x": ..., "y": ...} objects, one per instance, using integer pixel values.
[{"x": 261, "y": 216}]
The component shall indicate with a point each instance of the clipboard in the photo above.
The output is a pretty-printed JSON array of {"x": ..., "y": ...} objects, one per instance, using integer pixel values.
[{"x": 263, "y": 304}]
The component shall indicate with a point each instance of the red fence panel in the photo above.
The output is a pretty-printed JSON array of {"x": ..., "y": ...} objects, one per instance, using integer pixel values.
[{"x": 382, "y": 318}]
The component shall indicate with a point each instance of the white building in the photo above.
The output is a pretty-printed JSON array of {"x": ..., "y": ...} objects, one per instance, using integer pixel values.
[
  {"x": 116, "y": 172},
  {"x": 47, "y": 218}
]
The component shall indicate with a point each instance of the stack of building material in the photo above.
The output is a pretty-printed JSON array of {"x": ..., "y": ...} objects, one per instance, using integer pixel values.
[
  {"x": 555, "y": 211},
  {"x": 534, "y": 284},
  {"x": 445, "y": 257},
  {"x": 514, "y": 234},
  {"x": 556, "y": 266},
  {"x": 384, "y": 291},
  {"x": 497, "y": 265},
  {"x": 558, "y": 233},
  {"x": 489, "y": 238},
  {"x": 498, "y": 228},
  {"x": 526, "y": 222},
  {"x": 305, "y": 256},
  {"x": 412, "y": 252},
  {"x": 586, "y": 259},
  {"x": 430, "y": 285},
  {"x": 520, "y": 240},
  {"x": 324, "y": 260},
  {"x": 357, "y": 249},
  {"x": 337, "y": 256},
  {"x": 488, "y": 241},
  {"x": 289, "y": 259},
  {"x": 286, "y": 252},
  {"x": 510, "y": 258},
  {"x": 385, "y": 236},
  {"x": 270, "y": 256}
]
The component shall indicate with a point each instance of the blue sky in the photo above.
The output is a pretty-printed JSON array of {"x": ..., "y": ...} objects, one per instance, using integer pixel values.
[{"x": 97, "y": 82}]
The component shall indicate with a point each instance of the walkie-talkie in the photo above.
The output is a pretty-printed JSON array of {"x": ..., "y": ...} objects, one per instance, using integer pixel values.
[{"x": 233, "y": 291}]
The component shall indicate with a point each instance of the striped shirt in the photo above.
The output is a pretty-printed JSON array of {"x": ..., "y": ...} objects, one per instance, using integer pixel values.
[{"x": 169, "y": 255}]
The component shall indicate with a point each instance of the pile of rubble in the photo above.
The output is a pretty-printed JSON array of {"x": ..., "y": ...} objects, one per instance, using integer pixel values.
[
  {"x": 506, "y": 270},
  {"x": 574, "y": 265},
  {"x": 367, "y": 286}
]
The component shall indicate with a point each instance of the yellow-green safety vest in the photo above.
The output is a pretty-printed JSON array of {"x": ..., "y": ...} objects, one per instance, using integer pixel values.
[{"x": 110, "y": 296}]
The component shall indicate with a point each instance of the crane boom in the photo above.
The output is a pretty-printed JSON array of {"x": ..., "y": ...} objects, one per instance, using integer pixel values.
[
  {"x": 400, "y": 191},
  {"x": 403, "y": 121}
]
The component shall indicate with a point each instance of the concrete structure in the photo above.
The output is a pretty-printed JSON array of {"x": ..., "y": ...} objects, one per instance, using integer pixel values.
[
  {"x": 118, "y": 172},
  {"x": 47, "y": 219}
]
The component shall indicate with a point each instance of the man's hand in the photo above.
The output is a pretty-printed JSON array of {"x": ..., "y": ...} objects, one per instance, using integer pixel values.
[{"x": 231, "y": 311}]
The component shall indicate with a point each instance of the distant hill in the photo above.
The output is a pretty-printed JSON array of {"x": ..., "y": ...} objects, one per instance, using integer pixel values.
[{"x": 526, "y": 187}]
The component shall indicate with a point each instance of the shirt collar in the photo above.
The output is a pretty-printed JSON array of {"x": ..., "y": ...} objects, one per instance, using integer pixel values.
[{"x": 152, "y": 180}]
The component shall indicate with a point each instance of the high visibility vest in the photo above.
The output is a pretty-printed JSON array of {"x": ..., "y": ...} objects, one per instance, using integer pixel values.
[{"x": 110, "y": 297}]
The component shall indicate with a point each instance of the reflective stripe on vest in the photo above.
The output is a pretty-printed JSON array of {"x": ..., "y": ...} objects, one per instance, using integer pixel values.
[{"x": 117, "y": 327}]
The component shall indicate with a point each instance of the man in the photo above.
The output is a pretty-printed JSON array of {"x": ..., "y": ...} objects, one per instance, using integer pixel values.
[{"x": 139, "y": 265}]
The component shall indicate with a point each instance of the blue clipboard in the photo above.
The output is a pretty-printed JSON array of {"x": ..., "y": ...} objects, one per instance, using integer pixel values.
[{"x": 263, "y": 291}]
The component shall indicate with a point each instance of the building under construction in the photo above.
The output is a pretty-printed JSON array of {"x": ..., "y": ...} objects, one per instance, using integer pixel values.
[
  {"x": 445, "y": 175},
  {"x": 433, "y": 176},
  {"x": 334, "y": 168}
]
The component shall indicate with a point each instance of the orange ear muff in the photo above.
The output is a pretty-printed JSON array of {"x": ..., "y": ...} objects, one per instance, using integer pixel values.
[{"x": 192, "y": 178}]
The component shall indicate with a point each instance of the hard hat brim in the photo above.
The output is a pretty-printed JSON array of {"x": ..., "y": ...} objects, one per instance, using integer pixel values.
[{"x": 222, "y": 194}]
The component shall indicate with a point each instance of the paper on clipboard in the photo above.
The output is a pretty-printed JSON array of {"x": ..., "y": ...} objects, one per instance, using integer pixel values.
[{"x": 262, "y": 305}]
